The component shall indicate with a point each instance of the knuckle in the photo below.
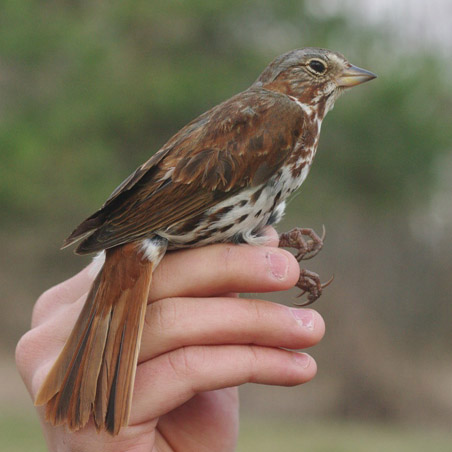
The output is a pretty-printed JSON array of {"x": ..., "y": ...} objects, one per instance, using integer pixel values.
[
  {"x": 186, "y": 361},
  {"x": 29, "y": 360},
  {"x": 46, "y": 302},
  {"x": 52, "y": 295},
  {"x": 256, "y": 309},
  {"x": 42, "y": 302},
  {"x": 25, "y": 349},
  {"x": 162, "y": 314},
  {"x": 254, "y": 358},
  {"x": 237, "y": 260},
  {"x": 163, "y": 275}
]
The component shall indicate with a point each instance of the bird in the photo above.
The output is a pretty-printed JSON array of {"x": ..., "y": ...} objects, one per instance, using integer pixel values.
[{"x": 223, "y": 178}]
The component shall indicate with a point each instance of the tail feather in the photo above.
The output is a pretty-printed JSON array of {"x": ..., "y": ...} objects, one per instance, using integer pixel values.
[
  {"x": 113, "y": 398},
  {"x": 95, "y": 372}
]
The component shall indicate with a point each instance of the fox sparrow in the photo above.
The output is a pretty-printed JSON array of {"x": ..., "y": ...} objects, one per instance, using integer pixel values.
[{"x": 222, "y": 178}]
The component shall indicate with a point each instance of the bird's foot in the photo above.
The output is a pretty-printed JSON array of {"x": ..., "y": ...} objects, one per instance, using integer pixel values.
[
  {"x": 309, "y": 282},
  {"x": 307, "y": 244},
  {"x": 296, "y": 238}
]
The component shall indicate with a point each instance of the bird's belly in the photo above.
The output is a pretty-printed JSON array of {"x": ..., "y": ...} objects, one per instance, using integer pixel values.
[{"x": 240, "y": 218}]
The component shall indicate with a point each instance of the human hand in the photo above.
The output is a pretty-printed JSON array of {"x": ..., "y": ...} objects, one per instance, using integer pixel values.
[{"x": 199, "y": 343}]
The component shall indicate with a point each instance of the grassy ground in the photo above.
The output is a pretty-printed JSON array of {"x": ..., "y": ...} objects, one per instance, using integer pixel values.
[
  {"x": 20, "y": 434},
  {"x": 24, "y": 435},
  {"x": 266, "y": 436}
]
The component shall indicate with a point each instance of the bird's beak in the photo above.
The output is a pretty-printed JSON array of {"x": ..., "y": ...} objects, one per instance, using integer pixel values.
[{"x": 353, "y": 76}]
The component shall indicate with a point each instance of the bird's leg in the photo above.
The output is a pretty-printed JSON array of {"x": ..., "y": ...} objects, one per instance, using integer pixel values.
[
  {"x": 306, "y": 249},
  {"x": 309, "y": 282}
]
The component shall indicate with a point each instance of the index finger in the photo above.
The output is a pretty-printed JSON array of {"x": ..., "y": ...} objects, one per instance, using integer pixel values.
[{"x": 224, "y": 268}]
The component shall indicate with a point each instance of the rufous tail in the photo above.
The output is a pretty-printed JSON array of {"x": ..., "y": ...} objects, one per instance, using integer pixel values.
[{"x": 95, "y": 372}]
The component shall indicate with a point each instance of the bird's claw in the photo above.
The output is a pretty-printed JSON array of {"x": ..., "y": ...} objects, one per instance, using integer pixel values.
[
  {"x": 306, "y": 249},
  {"x": 309, "y": 282}
]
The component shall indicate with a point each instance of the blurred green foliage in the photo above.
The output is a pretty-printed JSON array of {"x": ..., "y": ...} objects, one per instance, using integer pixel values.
[
  {"x": 91, "y": 89},
  {"x": 388, "y": 139},
  {"x": 20, "y": 434}
]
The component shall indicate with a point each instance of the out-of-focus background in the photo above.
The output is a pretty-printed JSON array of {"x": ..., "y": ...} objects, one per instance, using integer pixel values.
[{"x": 89, "y": 89}]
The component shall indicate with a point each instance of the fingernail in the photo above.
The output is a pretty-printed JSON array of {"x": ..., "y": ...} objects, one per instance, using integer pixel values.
[
  {"x": 302, "y": 359},
  {"x": 305, "y": 317},
  {"x": 279, "y": 265}
]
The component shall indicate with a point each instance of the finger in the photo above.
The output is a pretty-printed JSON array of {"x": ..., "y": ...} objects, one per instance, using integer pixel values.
[
  {"x": 186, "y": 273},
  {"x": 39, "y": 347},
  {"x": 69, "y": 291},
  {"x": 272, "y": 235},
  {"x": 171, "y": 379},
  {"x": 175, "y": 322},
  {"x": 218, "y": 269}
]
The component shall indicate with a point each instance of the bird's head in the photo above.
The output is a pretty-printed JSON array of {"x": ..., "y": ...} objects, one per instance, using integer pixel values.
[{"x": 315, "y": 77}]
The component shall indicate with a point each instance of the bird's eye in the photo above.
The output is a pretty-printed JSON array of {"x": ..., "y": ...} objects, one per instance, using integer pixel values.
[{"x": 317, "y": 66}]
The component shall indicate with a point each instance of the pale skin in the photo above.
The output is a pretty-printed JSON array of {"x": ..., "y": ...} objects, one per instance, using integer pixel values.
[{"x": 200, "y": 342}]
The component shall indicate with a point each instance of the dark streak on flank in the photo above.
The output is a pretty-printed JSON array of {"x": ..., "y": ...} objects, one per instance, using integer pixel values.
[
  {"x": 226, "y": 228},
  {"x": 255, "y": 196}
]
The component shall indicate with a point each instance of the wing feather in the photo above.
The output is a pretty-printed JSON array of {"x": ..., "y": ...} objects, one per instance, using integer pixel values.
[{"x": 238, "y": 144}]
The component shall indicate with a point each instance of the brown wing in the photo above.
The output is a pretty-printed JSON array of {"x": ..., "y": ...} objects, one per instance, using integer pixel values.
[{"x": 239, "y": 143}]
